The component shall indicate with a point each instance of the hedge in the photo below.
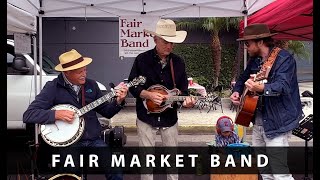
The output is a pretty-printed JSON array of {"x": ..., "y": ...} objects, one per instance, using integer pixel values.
[{"x": 199, "y": 65}]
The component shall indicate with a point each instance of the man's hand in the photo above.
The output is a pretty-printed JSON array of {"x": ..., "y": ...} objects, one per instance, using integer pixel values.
[
  {"x": 156, "y": 97},
  {"x": 121, "y": 91},
  {"x": 235, "y": 98},
  {"x": 254, "y": 86},
  {"x": 64, "y": 115},
  {"x": 189, "y": 102}
]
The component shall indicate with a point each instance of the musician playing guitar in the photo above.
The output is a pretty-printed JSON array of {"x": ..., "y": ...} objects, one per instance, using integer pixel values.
[
  {"x": 160, "y": 66},
  {"x": 278, "y": 109},
  {"x": 73, "y": 87}
]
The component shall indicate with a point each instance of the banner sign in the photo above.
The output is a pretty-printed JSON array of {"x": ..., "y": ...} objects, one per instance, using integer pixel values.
[
  {"x": 22, "y": 43},
  {"x": 132, "y": 39}
]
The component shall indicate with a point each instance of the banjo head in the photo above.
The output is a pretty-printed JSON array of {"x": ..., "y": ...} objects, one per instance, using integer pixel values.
[
  {"x": 62, "y": 133},
  {"x": 65, "y": 177}
]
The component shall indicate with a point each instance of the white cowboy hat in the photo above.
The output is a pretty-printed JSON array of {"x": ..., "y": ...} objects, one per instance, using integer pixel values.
[
  {"x": 72, "y": 60},
  {"x": 166, "y": 29}
]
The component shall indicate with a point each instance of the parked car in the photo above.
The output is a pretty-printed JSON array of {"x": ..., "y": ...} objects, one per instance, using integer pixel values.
[{"x": 20, "y": 83}]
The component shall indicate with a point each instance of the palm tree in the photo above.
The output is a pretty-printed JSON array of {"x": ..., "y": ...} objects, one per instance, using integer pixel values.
[
  {"x": 295, "y": 47},
  {"x": 214, "y": 25},
  {"x": 238, "y": 59}
]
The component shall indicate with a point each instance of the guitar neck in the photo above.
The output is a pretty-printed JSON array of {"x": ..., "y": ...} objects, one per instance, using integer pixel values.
[{"x": 100, "y": 101}]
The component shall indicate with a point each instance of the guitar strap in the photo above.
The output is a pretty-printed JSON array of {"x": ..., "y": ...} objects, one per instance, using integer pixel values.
[
  {"x": 82, "y": 92},
  {"x": 269, "y": 63},
  {"x": 172, "y": 73},
  {"x": 271, "y": 59}
]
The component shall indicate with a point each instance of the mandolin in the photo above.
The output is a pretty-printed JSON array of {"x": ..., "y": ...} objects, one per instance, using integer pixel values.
[{"x": 173, "y": 97}]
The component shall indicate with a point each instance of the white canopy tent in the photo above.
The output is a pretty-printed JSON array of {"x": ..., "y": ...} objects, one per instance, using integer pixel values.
[
  {"x": 20, "y": 21},
  {"x": 163, "y": 8},
  {"x": 118, "y": 8}
]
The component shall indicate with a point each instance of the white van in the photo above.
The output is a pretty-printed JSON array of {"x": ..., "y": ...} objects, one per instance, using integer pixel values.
[{"x": 20, "y": 84}]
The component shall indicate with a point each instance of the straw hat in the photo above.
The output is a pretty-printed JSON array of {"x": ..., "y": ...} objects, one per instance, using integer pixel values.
[
  {"x": 256, "y": 31},
  {"x": 166, "y": 29},
  {"x": 72, "y": 60}
]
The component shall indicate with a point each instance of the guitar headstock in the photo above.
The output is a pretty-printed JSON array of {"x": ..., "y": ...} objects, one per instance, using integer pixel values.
[
  {"x": 262, "y": 74},
  {"x": 138, "y": 81}
]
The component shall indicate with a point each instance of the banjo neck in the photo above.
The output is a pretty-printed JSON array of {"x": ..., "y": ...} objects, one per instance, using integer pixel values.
[
  {"x": 108, "y": 96},
  {"x": 96, "y": 103}
]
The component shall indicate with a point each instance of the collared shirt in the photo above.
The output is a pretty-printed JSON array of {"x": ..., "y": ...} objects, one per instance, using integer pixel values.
[
  {"x": 163, "y": 62},
  {"x": 76, "y": 88},
  {"x": 148, "y": 64}
]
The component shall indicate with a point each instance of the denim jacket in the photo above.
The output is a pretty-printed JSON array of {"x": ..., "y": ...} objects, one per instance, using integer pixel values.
[{"x": 281, "y": 108}]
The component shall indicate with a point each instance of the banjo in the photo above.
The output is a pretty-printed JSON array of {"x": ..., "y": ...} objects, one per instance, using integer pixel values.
[{"x": 61, "y": 133}]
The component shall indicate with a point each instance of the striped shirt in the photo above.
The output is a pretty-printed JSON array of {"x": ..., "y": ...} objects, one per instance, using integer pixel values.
[{"x": 76, "y": 88}]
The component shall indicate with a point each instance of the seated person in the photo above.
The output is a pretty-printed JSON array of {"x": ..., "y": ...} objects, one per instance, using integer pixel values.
[{"x": 225, "y": 132}]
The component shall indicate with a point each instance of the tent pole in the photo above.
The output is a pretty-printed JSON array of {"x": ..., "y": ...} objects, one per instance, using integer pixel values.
[
  {"x": 245, "y": 11},
  {"x": 40, "y": 49},
  {"x": 245, "y": 49},
  {"x": 244, "y": 66},
  {"x": 35, "y": 57}
]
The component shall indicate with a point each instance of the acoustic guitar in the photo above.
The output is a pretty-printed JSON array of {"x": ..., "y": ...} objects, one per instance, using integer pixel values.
[
  {"x": 249, "y": 100},
  {"x": 172, "y": 97}
]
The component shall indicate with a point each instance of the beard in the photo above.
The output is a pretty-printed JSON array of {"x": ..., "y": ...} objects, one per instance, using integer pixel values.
[{"x": 254, "y": 54}]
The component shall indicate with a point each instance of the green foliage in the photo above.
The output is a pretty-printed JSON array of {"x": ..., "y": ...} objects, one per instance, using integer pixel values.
[
  {"x": 299, "y": 49},
  {"x": 228, "y": 55},
  {"x": 199, "y": 65}
]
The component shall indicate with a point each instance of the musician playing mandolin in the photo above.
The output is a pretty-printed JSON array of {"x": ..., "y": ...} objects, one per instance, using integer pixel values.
[
  {"x": 278, "y": 109},
  {"x": 73, "y": 87},
  {"x": 163, "y": 68}
]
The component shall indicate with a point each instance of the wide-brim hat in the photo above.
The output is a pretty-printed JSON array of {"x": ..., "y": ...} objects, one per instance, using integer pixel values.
[
  {"x": 256, "y": 31},
  {"x": 167, "y": 30},
  {"x": 72, "y": 60}
]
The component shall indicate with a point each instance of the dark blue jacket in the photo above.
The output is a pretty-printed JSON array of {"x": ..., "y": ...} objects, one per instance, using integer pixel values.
[
  {"x": 59, "y": 92},
  {"x": 281, "y": 110}
]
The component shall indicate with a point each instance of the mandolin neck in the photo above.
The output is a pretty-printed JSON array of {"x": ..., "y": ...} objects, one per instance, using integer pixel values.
[{"x": 182, "y": 98}]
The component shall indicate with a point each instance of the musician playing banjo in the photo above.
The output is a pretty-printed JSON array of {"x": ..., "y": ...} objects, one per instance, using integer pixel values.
[
  {"x": 74, "y": 88},
  {"x": 162, "y": 68},
  {"x": 278, "y": 110}
]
